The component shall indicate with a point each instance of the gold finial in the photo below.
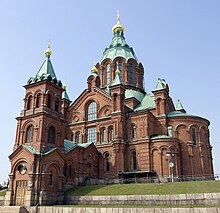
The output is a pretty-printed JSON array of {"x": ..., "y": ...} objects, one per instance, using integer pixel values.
[
  {"x": 64, "y": 85},
  {"x": 117, "y": 71},
  {"x": 94, "y": 69},
  {"x": 118, "y": 26},
  {"x": 48, "y": 52}
]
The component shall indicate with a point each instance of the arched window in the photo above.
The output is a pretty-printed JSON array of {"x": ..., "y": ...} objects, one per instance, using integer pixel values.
[
  {"x": 103, "y": 135},
  {"x": 170, "y": 131},
  {"x": 111, "y": 134},
  {"x": 29, "y": 102},
  {"x": 108, "y": 74},
  {"x": 30, "y": 134},
  {"x": 70, "y": 170},
  {"x": 193, "y": 136},
  {"x": 133, "y": 132},
  {"x": 78, "y": 137},
  {"x": 51, "y": 135},
  {"x": 50, "y": 178},
  {"x": 92, "y": 111},
  {"x": 57, "y": 104},
  {"x": 107, "y": 163},
  {"x": 49, "y": 101},
  {"x": 130, "y": 74},
  {"x": 134, "y": 161},
  {"x": 38, "y": 100}
]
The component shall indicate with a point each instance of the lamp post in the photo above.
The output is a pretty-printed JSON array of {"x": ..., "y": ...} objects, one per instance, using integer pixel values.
[{"x": 171, "y": 165}]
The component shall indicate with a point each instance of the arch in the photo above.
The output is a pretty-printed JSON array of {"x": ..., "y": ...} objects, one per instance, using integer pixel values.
[
  {"x": 78, "y": 137},
  {"x": 107, "y": 162},
  {"x": 181, "y": 132},
  {"x": 38, "y": 100},
  {"x": 133, "y": 160},
  {"x": 103, "y": 135},
  {"x": 133, "y": 131},
  {"x": 105, "y": 111},
  {"x": 29, "y": 122},
  {"x": 29, "y": 102},
  {"x": 57, "y": 104},
  {"x": 110, "y": 134}
]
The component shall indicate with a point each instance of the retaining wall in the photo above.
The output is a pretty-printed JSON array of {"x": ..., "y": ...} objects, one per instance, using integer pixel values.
[
  {"x": 13, "y": 209},
  {"x": 2, "y": 200},
  {"x": 176, "y": 199}
]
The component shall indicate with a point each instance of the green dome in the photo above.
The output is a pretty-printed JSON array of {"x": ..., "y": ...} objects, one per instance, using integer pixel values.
[{"x": 118, "y": 48}]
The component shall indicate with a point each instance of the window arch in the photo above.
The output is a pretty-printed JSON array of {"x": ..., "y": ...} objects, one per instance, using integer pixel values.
[
  {"x": 92, "y": 111},
  {"x": 133, "y": 132},
  {"x": 78, "y": 137},
  {"x": 72, "y": 136},
  {"x": 29, "y": 102},
  {"x": 29, "y": 134},
  {"x": 57, "y": 103},
  {"x": 193, "y": 136},
  {"x": 134, "y": 160},
  {"x": 51, "y": 135},
  {"x": 108, "y": 74},
  {"x": 107, "y": 162}
]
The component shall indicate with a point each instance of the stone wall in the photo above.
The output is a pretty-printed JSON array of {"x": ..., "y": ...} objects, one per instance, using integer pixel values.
[
  {"x": 16, "y": 209},
  {"x": 176, "y": 199},
  {"x": 2, "y": 198}
]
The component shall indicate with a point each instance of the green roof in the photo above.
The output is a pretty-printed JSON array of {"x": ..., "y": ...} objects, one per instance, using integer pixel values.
[
  {"x": 134, "y": 94},
  {"x": 46, "y": 72},
  {"x": 179, "y": 106},
  {"x": 146, "y": 103},
  {"x": 65, "y": 95},
  {"x": 31, "y": 149},
  {"x": 118, "y": 48},
  {"x": 160, "y": 136},
  {"x": 161, "y": 84},
  {"x": 117, "y": 80},
  {"x": 178, "y": 113},
  {"x": 70, "y": 145}
]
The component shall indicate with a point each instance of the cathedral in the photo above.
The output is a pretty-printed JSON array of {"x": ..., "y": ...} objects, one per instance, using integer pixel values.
[{"x": 113, "y": 132}]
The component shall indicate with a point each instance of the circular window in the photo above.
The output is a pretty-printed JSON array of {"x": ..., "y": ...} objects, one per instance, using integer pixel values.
[{"x": 22, "y": 169}]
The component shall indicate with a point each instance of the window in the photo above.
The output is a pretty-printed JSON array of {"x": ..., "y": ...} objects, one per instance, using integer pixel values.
[
  {"x": 57, "y": 104},
  {"x": 91, "y": 135},
  {"x": 51, "y": 135},
  {"x": 29, "y": 102},
  {"x": 72, "y": 136},
  {"x": 92, "y": 111},
  {"x": 103, "y": 135},
  {"x": 111, "y": 134},
  {"x": 49, "y": 101},
  {"x": 130, "y": 74},
  {"x": 38, "y": 101},
  {"x": 50, "y": 179},
  {"x": 30, "y": 134},
  {"x": 108, "y": 67},
  {"x": 70, "y": 170},
  {"x": 193, "y": 136},
  {"x": 107, "y": 163},
  {"x": 170, "y": 131},
  {"x": 133, "y": 132},
  {"x": 134, "y": 159},
  {"x": 78, "y": 137}
]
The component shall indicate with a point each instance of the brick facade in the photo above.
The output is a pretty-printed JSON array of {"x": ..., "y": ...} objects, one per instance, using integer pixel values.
[{"x": 114, "y": 129}]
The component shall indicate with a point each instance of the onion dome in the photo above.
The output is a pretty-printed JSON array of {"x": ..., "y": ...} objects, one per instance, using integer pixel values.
[
  {"x": 48, "y": 52},
  {"x": 118, "y": 46}
]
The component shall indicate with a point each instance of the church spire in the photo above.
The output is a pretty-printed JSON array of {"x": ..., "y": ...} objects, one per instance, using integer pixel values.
[{"x": 118, "y": 26}]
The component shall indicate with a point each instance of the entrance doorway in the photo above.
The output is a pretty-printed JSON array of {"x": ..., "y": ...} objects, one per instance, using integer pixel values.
[{"x": 21, "y": 188}]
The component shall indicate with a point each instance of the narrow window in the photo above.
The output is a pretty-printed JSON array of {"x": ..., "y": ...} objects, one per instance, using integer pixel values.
[
  {"x": 29, "y": 102},
  {"x": 57, "y": 104},
  {"x": 130, "y": 74},
  {"x": 70, "y": 170},
  {"x": 170, "y": 131},
  {"x": 111, "y": 134},
  {"x": 49, "y": 101},
  {"x": 107, "y": 163},
  {"x": 78, "y": 137},
  {"x": 134, "y": 134},
  {"x": 92, "y": 111},
  {"x": 51, "y": 135},
  {"x": 38, "y": 101},
  {"x": 30, "y": 134},
  {"x": 193, "y": 136},
  {"x": 104, "y": 138},
  {"x": 50, "y": 179},
  {"x": 108, "y": 74},
  {"x": 72, "y": 136},
  {"x": 91, "y": 135},
  {"x": 134, "y": 159}
]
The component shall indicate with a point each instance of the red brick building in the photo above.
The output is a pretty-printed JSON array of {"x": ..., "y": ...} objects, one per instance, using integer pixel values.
[{"x": 113, "y": 130}]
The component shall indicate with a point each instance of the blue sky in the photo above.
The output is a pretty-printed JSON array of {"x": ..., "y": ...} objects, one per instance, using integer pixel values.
[{"x": 175, "y": 40}]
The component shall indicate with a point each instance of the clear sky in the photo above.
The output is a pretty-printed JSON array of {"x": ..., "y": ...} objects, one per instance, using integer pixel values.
[{"x": 178, "y": 40}]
